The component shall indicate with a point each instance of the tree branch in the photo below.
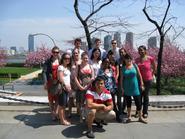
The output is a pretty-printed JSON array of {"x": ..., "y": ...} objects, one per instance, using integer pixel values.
[
  {"x": 98, "y": 9},
  {"x": 150, "y": 19},
  {"x": 166, "y": 12},
  {"x": 177, "y": 35},
  {"x": 167, "y": 30},
  {"x": 77, "y": 12}
]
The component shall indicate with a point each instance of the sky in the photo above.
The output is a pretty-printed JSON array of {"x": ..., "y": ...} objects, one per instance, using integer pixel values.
[{"x": 56, "y": 18}]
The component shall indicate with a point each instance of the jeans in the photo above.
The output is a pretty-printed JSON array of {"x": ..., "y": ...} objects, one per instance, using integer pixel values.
[
  {"x": 145, "y": 96},
  {"x": 121, "y": 105}
]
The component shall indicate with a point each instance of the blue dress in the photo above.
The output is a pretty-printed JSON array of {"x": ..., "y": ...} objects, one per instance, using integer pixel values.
[
  {"x": 130, "y": 82},
  {"x": 110, "y": 83}
]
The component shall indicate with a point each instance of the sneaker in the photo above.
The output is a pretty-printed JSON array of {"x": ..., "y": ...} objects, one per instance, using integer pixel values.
[
  {"x": 103, "y": 122},
  {"x": 142, "y": 120},
  {"x": 98, "y": 124},
  {"x": 145, "y": 116},
  {"x": 90, "y": 134}
]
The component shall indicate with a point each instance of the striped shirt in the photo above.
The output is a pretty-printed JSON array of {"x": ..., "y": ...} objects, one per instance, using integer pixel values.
[{"x": 101, "y": 98}]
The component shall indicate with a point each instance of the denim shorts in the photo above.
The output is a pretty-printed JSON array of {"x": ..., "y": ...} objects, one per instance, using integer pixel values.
[{"x": 63, "y": 98}]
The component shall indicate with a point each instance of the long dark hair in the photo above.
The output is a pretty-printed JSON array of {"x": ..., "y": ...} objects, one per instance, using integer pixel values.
[
  {"x": 72, "y": 57},
  {"x": 103, "y": 63},
  {"x": 94, "y": 50},
  {"x": 62, "y": 60}
]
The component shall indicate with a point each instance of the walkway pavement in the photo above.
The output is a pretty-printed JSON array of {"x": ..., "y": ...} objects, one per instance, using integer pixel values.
[
  {"x": 21, "y": 85},
  {"x": 35, "y": 122}
]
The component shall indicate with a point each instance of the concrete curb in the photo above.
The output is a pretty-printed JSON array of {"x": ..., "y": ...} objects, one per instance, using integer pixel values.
[{"x": 156, "y": 102}]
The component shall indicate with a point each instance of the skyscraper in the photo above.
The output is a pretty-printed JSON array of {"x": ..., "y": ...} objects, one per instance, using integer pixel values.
[
  {"x": 13, "y": 50},
  {"x": 152, "y": 42},
  {"x": 117, "y": 37},
  {"x": 129, "y": 39},
  {"x": 31, "y": 43},
  {"x": 107, "y": 42}
]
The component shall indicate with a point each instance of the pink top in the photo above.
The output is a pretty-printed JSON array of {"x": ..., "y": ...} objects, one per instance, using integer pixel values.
[{"x": 145, "y": 67}]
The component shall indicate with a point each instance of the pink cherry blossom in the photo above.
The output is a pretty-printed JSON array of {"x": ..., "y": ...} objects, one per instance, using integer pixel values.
[
  {"x": 38, "y": 57},
  {"x": 3, "y": 57}
]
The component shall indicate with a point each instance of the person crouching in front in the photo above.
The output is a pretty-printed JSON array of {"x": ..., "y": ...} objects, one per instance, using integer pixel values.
[{"x": 99, "y": 104}]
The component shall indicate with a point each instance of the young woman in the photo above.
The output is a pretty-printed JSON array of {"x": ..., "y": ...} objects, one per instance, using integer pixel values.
[
  {"x": 64, "y": 79},
  {"x": 75, "y": 61},
  {"x": 147, "y": 67},
  {"x": 129, "y": 76},
  {"x": 95, "y": 60},
  {"x": 50, "y": 80},
  {"x": 110, "y": 83},
  {"x": 121, "y": 105},
  {"x": 114, "y": 64},
  {"x": 84, "y": 77}
]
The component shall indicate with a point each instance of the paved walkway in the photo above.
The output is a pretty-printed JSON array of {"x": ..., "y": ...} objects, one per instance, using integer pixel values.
[
  {"x": 29, "y": 76},
  {"x": 35, "y": 122}
]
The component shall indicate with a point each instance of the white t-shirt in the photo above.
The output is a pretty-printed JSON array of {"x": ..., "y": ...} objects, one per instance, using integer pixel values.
[
  {"x": 96, "y": 66},
  {"x": 66, "y": 73}
]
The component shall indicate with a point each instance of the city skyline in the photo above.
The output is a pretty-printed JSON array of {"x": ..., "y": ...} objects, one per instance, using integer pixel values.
[{"x": 19, "y": 18}]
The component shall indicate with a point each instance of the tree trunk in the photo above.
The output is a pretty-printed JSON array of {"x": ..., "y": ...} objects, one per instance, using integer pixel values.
[
  {"x": 88, "y": 36},
  {"x": 159, "y": 64}
]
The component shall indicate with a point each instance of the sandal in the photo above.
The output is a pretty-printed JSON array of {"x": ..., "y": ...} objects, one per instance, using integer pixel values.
[
  {"x": 66, "y": 123},
  {"x": 142, "y": 120}
]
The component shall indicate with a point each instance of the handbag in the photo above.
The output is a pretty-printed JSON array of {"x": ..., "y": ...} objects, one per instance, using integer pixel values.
[
  {"x": 154, "y": 79},
  {"x": 54, "y": 88}
]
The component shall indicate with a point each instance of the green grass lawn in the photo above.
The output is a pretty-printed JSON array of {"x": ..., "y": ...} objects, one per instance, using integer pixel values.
[{"x": 17, "y": 70}]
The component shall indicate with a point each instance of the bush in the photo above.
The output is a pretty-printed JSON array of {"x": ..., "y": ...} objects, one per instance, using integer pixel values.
[
  {"x": 14, "y": 65},
  {"x": 8, "y": 75}
]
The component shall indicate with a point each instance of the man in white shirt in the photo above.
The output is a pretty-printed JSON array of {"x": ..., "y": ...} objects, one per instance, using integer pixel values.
[
  {"x": 99, "y": 105},
  {"x": 77, "y": 44},
  {"x": 115, "y": 49},
  {"x": 98, "y": 45}
]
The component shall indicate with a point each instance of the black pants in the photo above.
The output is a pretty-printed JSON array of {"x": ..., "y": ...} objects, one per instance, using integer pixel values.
[
  {"x": 137, "y": 100},
  {"x": 121, "y": 105},
  {"x": 145, "y": 96}
]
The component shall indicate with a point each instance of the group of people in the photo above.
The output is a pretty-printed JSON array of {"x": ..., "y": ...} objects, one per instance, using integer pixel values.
[{"x": 94, "y": 79}]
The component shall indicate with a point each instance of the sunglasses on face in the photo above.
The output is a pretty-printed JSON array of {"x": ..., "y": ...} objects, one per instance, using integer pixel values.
[
  {"x": 66, "y": 58},
  {"x": 114, "y": 43},
  {"x": 55, "y": 52}
]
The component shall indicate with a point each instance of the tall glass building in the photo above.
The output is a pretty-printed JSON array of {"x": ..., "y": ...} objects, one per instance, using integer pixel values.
[{"x": 31, "y": 43}]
